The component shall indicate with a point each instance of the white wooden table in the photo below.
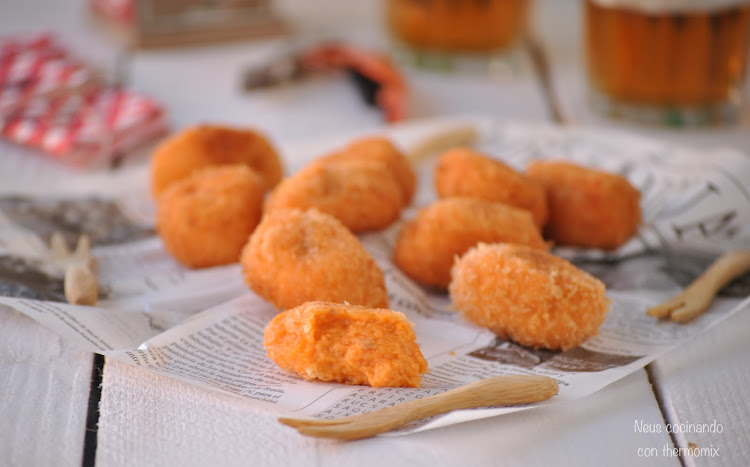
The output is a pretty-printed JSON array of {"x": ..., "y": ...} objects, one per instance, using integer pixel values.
[{"x": 49, "y": 389}]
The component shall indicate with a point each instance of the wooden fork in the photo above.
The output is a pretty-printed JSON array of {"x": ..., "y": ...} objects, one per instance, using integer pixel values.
[
  {"x": 697, "y": 297},
  {"x": 80, "y": 283},
  {"x": 500, "y": 390}
]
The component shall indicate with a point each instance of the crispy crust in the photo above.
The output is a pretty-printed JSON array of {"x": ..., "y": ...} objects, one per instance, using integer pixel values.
[
  {"x": 528, "y": 295},
  {"x": 346, "y": 344},
  {"x": 201, "y": 146},
  {"x": 362, "y": 194},
  {"x": 428, "y": 244},
  {"x": 588, "y": 207},
  {"x": 382, "y": 150},
  {"x": 296, "y": 256},
  {"x": 205, "y": 219},
  {"x": 464, "y": 172}
]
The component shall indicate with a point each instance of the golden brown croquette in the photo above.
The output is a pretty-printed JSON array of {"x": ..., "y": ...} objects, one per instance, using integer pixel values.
[
  {"x": 206, "y": 218},
  {"x": 297, "y": 256},
  {"x": 428, "y": 244},
  {"x": 363, "y": 195},
  {"x": 205, "y": 145},
  {"x": 588, "y": 207},
  {"x": 465, "y": 172},
  {"x": 379, "y": 149},
  {"x": 528, "y": 295}
]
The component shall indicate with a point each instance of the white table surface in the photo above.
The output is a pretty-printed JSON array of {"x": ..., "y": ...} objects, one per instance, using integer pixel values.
[{"x": 147, "y": 419}]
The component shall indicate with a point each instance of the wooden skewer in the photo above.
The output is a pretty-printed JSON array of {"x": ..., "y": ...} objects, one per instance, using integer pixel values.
[
  {"x": 463, "y": 135},
  {"x": 500, "y": 390},
  {"x": 697, "y": 297}
]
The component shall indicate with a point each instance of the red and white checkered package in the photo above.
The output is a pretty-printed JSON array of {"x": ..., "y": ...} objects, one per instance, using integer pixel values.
[
  {"x": 102, "y": 122},
  {"x": 52, "y": 102},
  {"x": 37, "y": 66}
]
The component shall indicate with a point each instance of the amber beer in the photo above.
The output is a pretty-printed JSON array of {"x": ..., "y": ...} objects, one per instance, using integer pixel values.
[
  {"x": 685, "y": 58},
  {"x": 462, "y": 26}
]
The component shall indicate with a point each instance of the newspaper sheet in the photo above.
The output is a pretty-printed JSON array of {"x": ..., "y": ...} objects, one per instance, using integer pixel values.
[{"x": 205, "y": 326}]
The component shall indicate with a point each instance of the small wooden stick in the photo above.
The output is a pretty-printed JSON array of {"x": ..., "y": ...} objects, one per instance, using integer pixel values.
[
  {"x": 80, "y": 283},
  {"x": 59, "y": 247},
  {"x": 81, "y": 287},
  {"x": 465, "y": 135},
  {"x": 697, "y": 297},
  {"x": 83, "y": 251}
]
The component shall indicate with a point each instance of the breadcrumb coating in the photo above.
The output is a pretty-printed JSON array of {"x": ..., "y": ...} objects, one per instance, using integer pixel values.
[
  {"x": 588, "y": 207},
  {"x": 205, "y": 219},
  {"x": 297, "y": 256},
  {"x": 382, "y": 150},
  {"x": 346, "y": 344},
  {"x": 465, "y": 172},
  {"x": 362, "y": 194},
  {"x": 528, "y": 295},
  {"x": 428, "y": 244},
  {"x": 205, "y": 145}
]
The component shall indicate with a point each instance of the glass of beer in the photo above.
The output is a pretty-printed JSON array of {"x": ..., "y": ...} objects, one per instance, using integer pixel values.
[
  {"x": 677, "y": 62},
  {"x": 434, "y": 32}
]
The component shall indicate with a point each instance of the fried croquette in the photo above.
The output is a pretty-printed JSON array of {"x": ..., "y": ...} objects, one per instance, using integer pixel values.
[
  {"x": 379, "y": 149},
  {"x": 588, "y": 207},
  {"x": 363, "y": 195},
  {"x": 465, "y": 172},
  {"x": 346, "y": 344},
  {"x": 427, "y": 244},
  {"x": 206, "y": 218},
  {"x": 297, "y": 256},
  {"x": 528, "y": 295},
  {"x": 205, "y": 145}
]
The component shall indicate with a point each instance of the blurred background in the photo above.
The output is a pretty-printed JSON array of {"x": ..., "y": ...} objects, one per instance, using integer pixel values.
[{"x": 202, "y": 77}]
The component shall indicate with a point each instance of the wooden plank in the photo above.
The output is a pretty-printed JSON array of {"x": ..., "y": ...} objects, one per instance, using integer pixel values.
[
  {"x": 708, "y": 382},
  {"x": 150, "y": 419},
  {"x": 44, "y": 380},
  {"x": 44, "y": 392}
]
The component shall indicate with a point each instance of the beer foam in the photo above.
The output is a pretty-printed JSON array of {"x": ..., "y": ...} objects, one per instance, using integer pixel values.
[{"x": 671, "y": 6}]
